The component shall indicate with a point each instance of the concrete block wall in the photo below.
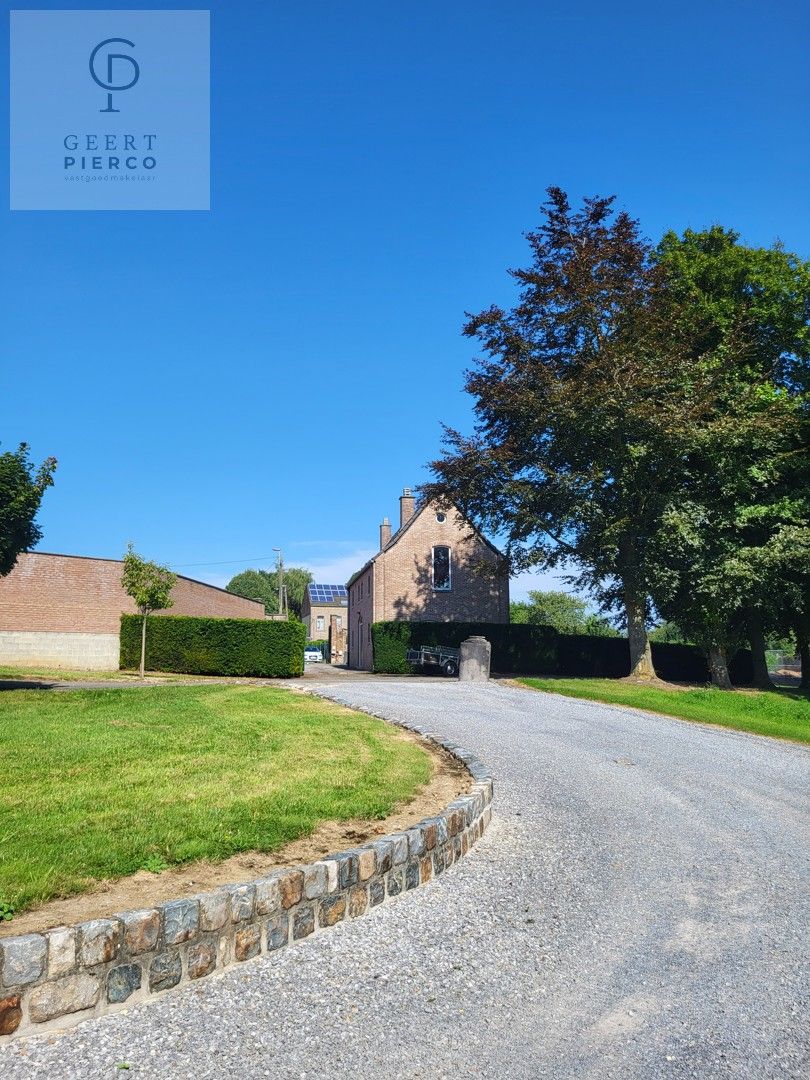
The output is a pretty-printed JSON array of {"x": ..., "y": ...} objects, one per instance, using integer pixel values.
[{"x": 89, "y": 652}]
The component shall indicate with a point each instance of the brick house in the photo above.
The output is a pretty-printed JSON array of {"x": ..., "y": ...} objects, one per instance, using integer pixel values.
[
  {"x": 321, "y": 602},
  {"x": 435, "y": 568},
  {"x": 65, "y": 610}
]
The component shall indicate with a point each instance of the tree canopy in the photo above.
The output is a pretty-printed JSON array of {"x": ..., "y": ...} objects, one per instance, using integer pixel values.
[
  {"x": 21, "y": 489},
  {"x": 568, "y": 614},
  {"x": 641, "y": 416},
  {"x": 736, "y": 536},
  {"x": 263, "y": 585}
]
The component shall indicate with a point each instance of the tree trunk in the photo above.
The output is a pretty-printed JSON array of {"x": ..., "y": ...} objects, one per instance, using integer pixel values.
[
  {"x": 718, "y": 668},
  {"x": 803, "y": 647},
  {"x": 761, "y": 679},
  {"x": 641, "y": 665},
  {"x": 143, "y": 646}
]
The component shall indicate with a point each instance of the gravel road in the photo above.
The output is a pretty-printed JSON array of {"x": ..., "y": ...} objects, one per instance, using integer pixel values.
[{"x": 634, "y": 911}]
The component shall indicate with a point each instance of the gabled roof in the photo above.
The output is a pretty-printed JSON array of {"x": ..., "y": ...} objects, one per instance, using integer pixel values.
[{"x": 404, "y": 528}]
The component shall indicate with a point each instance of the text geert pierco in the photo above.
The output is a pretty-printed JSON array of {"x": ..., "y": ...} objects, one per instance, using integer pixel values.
[{"x": 122, "y": 154}]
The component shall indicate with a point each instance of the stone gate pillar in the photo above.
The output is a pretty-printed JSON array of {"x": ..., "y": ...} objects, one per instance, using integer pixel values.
[{"x": 476, "y": 653}]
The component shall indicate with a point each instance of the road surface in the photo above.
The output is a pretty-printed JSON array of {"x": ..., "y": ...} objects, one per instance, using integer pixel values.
[{"x": 635, "y": 911}]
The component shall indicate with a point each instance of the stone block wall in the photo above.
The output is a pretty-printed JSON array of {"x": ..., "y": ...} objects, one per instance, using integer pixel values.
[{"x": 56, "y": 979}]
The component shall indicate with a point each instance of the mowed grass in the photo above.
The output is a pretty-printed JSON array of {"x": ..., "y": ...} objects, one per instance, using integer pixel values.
[
  {"x": 95, "y": 783},
  {"x": 71, "y": 675},
  {"x": 784, "y": 713}
]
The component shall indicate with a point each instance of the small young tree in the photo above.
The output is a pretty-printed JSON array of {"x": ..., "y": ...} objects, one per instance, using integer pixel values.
[{"x": 150, "y": 586}]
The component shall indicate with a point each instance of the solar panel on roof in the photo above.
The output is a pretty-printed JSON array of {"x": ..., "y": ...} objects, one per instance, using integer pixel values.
[{"x": 326, "y": 594}]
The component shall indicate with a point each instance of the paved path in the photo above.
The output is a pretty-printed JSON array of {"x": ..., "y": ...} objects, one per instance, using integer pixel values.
[{"x": 633, "y": 912}]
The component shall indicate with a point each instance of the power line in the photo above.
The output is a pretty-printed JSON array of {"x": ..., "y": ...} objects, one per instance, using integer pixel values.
[{"x": 226, "y": 562}]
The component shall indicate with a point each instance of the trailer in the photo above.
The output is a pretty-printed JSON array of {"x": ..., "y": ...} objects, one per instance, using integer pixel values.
[{"x": 435, "y": 656}]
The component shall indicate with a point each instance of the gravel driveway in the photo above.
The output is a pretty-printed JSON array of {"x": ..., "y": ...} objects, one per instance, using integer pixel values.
[{"x": 634, "y": 911}]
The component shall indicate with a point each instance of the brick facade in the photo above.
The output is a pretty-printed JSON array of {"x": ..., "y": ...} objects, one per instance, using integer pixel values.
[
  {"x": 51, "y": 600},
  {"x": 311, "y": 613},
  {"x": 400, "y": 581}
]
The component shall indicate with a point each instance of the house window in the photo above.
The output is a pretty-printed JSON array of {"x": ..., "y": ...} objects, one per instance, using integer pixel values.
[
  {"x": 441, "y": 568},
  {"x": 319, "y": 622},
  {"x": 339, "y": 623}
]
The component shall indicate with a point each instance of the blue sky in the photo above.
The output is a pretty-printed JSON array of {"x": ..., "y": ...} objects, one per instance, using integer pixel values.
[{"x": 272, "y": 372}]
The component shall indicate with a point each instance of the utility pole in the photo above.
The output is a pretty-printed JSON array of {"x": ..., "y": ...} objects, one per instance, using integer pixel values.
[{"x": 282, "y": 588}]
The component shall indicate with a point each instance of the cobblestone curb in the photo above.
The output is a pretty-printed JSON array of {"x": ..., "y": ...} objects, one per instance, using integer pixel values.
[{"x": 59, "y": 978}]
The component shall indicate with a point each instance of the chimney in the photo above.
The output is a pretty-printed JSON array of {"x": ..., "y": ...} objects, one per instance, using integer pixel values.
[
  {"x": 406, "y": 506},
  {"x": 385, "y": 532}
]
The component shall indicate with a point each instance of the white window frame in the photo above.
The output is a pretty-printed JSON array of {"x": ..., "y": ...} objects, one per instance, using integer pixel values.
[
  {"x": 319, "y": 623},
  {"x": 441, "y": 588}
]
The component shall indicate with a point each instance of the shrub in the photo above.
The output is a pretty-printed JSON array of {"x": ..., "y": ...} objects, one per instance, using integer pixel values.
[
  {"x": 199, "y": 646},
  {"x": 539, "y": 650}
]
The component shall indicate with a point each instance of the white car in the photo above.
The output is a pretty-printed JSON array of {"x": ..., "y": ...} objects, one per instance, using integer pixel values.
[{"x": 312, "y": 655}]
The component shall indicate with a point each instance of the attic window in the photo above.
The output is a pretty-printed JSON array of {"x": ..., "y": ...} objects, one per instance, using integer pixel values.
[
  {"x": 441, "y": 518},
  {"x": 441, "y": 568}
]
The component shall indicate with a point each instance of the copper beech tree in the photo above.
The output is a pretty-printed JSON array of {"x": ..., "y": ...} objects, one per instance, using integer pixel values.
[{"x": 586, "y": 401}]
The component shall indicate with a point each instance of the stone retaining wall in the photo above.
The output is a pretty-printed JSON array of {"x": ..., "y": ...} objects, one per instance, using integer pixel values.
[{"x": 58, "y": 978}]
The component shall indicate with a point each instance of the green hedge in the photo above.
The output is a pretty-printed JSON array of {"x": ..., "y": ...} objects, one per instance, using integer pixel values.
[
  {"x": 196, "y": 646},
  {"x": 540, "y": 650},
  {"x": 528, "y": 649}
]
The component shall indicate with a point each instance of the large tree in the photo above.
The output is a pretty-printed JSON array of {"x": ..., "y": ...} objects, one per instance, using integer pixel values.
[
  {"x": 263, "y": 585},
  {"x": 582, "y": 423},
  {"x": 748, "y": 486},
  {"x": 568, "y": 614},
  {"x": 21, "y": 489}
]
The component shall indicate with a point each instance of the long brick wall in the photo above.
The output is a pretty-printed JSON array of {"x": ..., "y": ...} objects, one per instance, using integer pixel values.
[{"x": 65, "y": 610}]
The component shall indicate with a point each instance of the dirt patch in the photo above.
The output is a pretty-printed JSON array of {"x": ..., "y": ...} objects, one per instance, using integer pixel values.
[{"x": 143, "y": 890}]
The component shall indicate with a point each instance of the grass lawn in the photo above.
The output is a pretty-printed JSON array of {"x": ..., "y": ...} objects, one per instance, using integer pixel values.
[
  {"x": 784, "y": 713},
  {"x": 71, "y": 675},
  {"x": 101, "y": 783}
]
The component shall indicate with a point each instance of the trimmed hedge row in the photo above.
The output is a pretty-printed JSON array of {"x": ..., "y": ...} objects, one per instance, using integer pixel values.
[
  {"x": 528, "y": 649},
  {"x": 207, "y": 646},
  {"x": 540, "y": 650}
]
